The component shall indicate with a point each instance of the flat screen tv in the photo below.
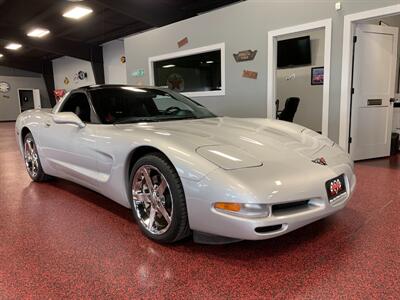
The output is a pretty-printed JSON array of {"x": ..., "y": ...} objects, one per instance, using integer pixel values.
[{"x": 294, "y": 52}]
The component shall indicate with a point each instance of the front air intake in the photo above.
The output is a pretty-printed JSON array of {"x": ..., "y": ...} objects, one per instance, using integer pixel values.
[{"x": 268, "y": 229}]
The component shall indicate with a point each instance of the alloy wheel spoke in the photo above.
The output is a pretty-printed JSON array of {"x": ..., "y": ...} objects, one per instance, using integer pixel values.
[
  {"x": 30, "y": 146},
  {"x": 164, "y": 213},
  {"x": 151, "y": 219},
  {"x": 141, "y": 197},
  {"x": 161, "y": 188},
  {"x": 147, "y": 178}
]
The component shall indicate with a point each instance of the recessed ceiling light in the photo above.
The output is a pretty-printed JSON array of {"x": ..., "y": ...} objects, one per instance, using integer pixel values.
[
  {"x": 1, "y": 55},
  {"x": 77, "y": 12},
  {"x": 168, "y": 66},
  {"x": 38, "y": 32},
  {"x": 13, "y": 46}
]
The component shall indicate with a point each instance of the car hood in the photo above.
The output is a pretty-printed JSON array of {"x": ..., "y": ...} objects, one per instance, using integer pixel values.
[{"x": 234, "y": 143}]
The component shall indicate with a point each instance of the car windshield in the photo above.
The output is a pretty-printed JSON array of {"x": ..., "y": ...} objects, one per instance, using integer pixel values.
[{"x": 125, "y": 104}]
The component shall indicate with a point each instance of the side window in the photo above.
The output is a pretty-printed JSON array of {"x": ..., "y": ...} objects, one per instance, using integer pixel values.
[{"x": 78, "y": 104}]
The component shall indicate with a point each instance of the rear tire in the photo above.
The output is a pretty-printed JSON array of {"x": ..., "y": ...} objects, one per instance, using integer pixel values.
[
  {"x": 158, "y": 200},
  {"x": 32, "y": 160}
]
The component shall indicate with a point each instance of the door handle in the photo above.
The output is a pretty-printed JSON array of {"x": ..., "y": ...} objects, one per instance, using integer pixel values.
[{"x": 392, "y": 100}]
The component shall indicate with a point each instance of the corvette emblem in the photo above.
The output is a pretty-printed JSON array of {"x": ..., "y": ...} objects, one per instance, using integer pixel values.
[
  {"x": 335, "y": 187},
  {"x": 320, "y": 161}
]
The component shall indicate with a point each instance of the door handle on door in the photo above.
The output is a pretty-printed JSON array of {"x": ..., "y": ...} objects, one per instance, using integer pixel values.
[{"x": 392, "y": 100}]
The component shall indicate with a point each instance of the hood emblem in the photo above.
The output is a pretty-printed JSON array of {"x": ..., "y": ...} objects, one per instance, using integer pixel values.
[{"x": 320, "y": 161}]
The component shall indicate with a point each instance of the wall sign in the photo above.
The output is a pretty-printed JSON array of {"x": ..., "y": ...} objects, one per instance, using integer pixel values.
[
  {"x": 123, "y": 59},
  {"x": 66, "y": 81},
  {"x": 138, "y": 73},
  {"x": 245, "y": 55},
  {"x": 4, "y": 87},
  {"x": 249, "y": 74},
  {"x": 183, "y": 42},
  {"x": 82, "y": 75},
  {"x": 317, "y": 76}
]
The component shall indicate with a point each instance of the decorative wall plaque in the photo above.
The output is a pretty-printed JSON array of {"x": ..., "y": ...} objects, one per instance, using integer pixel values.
[
  {"x": 123, "y": 59},
  {"x": 176, "y": 82},
  {"x": 4, "y": 87},
  {"x": 250, "y": 74},
  {"x": 66, "y": 81},
  {"x": 183, "y": 42},
  {"x": 245, "y": 55}
]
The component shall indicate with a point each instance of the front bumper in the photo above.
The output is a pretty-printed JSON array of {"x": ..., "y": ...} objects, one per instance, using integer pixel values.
[{"x": 204, "y": 218}]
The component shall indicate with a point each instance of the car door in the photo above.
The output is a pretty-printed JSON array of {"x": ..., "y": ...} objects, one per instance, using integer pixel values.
[{"x": 70, "y": 151}]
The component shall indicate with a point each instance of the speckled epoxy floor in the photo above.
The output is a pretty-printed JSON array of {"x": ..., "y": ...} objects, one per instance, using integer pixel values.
[{"x": 61, "y": 240}]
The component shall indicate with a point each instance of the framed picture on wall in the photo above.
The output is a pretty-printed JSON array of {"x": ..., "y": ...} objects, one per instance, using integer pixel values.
[{"x": 317, "y": 76}]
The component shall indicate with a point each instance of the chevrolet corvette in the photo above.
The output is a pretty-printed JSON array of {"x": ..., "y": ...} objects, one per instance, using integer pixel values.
[{"x": 183, "y": 170}]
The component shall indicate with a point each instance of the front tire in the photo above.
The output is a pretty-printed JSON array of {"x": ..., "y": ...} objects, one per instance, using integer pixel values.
[
  {"x": 32, "y": 160},
  {"x": 157, "y": 199}
]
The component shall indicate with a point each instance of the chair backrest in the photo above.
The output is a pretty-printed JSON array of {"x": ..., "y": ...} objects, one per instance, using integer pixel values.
[{"x": 290, "y": 109}]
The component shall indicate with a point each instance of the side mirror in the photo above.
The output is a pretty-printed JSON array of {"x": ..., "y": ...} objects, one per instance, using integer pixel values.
[{"x": 68, "y": 118}]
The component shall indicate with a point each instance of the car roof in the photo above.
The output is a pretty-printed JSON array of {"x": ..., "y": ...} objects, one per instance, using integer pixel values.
[{"x": 107, "y": 86}]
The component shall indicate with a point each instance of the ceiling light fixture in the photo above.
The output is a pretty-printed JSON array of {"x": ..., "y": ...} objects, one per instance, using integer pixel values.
[
  {"x": 168, "y": 66},
  {"x": 77, "y": 12},
  {"x": 209, "y": 62},
  {"x": 13, "y": 46},
  {"x": 1, "y": 55},
  {"x": 38, "y": 32}
]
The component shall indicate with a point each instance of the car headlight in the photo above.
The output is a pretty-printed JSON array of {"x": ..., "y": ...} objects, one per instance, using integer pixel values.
[{"x": 251, "y": 210}]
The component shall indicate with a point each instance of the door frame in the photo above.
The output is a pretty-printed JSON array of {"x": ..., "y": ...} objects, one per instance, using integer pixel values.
[
  {"x": 273, "y": 35},
  {"x": 349, "y": 26},
  {"x": 19, "y": 98}
]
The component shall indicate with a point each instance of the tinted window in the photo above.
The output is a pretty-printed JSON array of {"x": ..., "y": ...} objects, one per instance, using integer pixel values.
[
  {"x": 78, "y": 104},
  {"x": 130, "y": 105},
  {"x": 192, "y": 73}
]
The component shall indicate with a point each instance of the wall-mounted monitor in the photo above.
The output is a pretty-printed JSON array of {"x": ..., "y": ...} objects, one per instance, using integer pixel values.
[{"x": 294, "y": 52}]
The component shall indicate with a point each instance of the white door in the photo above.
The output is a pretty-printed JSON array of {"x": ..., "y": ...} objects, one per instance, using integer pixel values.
[{"x": 374, "y": 86}]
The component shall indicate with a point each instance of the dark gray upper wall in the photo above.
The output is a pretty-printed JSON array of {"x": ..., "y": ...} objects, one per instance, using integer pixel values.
[
  {"x": 245, "y": 26},
  {"x": 6, "y": 71}
]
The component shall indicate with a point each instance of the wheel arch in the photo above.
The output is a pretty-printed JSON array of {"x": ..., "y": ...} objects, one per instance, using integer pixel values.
[
  {"x": 135, "y": 155},
  {"x": 24, "y": 131}
]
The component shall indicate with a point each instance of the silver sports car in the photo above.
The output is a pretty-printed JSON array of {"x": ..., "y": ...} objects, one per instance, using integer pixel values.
[{"x": 183, "y": 170}]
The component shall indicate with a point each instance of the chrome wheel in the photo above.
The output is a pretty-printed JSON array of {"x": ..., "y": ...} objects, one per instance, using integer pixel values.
[
  {"x": 31, "y": 157},
  {"x": 152, "y": 199}
]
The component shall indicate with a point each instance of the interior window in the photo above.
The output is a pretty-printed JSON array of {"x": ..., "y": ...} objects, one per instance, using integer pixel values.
[
  {"x": 193, "y": 73},
  {"x": 78, "y": 104}
]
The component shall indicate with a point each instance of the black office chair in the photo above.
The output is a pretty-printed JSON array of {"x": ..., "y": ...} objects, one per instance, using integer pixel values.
[{"x": 288, "y": 112}]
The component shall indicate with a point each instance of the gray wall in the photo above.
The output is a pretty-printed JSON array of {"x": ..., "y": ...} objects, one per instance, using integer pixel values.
[
  {"x": 114, "y": 69},
  {"x": 9, "y": 106},
  {"x": 245, "y": 26},
  {"x": 309, "y": 112}
]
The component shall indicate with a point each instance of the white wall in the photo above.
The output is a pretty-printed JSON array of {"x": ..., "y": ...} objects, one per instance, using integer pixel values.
[
  {"x": 309, "y": 112},
  {"x": 68, "y": 67},
  {"x": 245, "y": 26},
  {"x": 114, "y": 69},
  {"x": 9, "y": 102}
]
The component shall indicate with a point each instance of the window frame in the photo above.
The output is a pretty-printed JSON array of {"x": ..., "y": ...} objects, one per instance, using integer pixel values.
[
  {"x": 93, "y": 115},
  {"x": 194, "y": 51}
]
